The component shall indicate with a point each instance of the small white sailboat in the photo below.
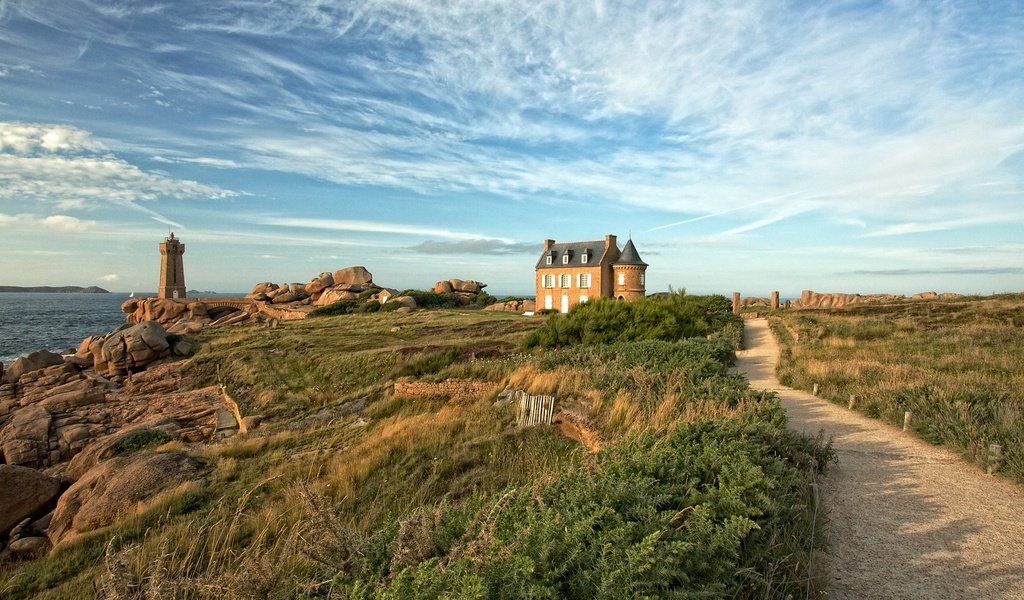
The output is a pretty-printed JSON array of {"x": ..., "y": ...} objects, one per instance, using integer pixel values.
[{"x": 131, "y": 295}]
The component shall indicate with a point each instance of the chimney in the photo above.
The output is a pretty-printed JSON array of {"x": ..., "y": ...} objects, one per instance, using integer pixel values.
[
  {"x": 548, "y": 244},
  {"x": 609, "y": 242}
]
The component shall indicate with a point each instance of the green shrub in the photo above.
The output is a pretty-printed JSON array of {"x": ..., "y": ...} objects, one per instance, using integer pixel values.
[
  {"x": 341, "y": 307},
  {"x": 432, "y": 300},
  {"x": 605, "y": 321},
  {"x": 708, "y": 510},
  {"x": 140, "y": 439}
]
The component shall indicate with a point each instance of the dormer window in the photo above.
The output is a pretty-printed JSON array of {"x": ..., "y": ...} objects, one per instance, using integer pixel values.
[
  {"x": 584, "y": 258},
  {"x": 548, "y": 259},
  {"x": 565, "y": 258}
]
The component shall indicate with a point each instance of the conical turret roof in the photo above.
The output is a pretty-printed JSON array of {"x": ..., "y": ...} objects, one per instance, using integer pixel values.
[{"x": 630, "y": 256}]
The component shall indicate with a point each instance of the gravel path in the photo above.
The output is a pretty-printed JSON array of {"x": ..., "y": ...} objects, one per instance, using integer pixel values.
[{"x": 907, "y": 519}]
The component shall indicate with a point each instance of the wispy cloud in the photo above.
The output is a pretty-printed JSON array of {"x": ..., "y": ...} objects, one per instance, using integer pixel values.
[
  {"x": 475, "y": 247},
  {"x": 110, "y": 278},
  {"x": 370, "y": 227},
  {"x": 926, "y": 271},
  {"x": 943, "y": 225}
]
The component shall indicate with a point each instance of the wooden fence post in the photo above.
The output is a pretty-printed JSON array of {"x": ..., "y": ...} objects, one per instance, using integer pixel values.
[
  {"x": 853, "y": 402},
  {"x": 906, "y": 421},
  {"x": 995, "y": 458},
  {"x": 817, "y": 388}
]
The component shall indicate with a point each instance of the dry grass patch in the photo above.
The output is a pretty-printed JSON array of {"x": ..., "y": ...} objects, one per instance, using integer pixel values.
[{"x": 956, "y": 365}]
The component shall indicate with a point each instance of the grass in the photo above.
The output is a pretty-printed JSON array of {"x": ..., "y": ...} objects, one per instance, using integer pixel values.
[
  {"x": 955, "y": 364},
  {"x": 698, "y": 486}
]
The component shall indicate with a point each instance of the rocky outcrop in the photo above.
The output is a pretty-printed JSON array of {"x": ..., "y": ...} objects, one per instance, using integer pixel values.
[
  {"x": 513, "y": 306},
  {"x": 24, "y": 493},
  {"x": 353, "y": 276},
  {"x": 131, "y": 350},
  {"x": 459, "y": 286},
  {"x": 52, "y": 415},
  {"x": 40, "y": 359},
  {"x": 812, "y": 299},
  {"x": 165, "y": 311},
  {"x": 114, "y": 487},
  {"x": 404, "y": 301}
]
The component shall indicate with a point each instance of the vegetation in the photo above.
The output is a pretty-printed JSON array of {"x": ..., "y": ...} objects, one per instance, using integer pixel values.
[
  {"x": 955, "y": 364},
  {"x": 695, "y": 489},
  {"x": 605, "y": 321},
  {"x": 134, "y": 441}
]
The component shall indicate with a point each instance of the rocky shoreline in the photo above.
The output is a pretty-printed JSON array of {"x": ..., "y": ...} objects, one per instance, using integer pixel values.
[{"x": 74, "y": 428}]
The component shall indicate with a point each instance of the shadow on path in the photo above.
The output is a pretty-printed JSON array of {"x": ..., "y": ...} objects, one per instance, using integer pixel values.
[{"x": 906, "y": 519}]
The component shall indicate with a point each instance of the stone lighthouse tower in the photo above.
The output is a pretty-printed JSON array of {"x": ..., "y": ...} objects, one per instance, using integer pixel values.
[
  {"x": 630, "y": 274},
  {"x": 172, "y": 269}
]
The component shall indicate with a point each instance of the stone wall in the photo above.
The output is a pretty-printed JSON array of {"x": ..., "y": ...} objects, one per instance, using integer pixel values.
[{"x": 455, "y": 389}]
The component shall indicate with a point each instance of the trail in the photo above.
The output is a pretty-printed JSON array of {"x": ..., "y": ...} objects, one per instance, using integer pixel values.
[{"x": 906, "y": 519}]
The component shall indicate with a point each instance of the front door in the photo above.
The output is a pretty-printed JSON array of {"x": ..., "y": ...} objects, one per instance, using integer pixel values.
[
  {"x": 565, "y": 303},
  {"x": 547, "y": 302}
]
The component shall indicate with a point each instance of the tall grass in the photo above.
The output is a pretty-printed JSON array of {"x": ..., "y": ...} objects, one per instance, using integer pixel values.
[{"x": 956, "y": 365}]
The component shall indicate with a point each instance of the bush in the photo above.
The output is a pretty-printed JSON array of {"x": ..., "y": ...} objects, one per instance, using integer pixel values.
[
  {"x": 341, "y": 307},
  {"x": 606, "y": 321},
  {"x": 432, "y": 300},
  {"x": 134, "y": 441},
  {"x": 711, "y": 509}
]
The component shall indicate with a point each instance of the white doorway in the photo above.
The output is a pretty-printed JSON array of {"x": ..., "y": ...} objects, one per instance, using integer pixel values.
[
  {"x": 547, "y": 302},
  {"x": 565, "y": 303}
]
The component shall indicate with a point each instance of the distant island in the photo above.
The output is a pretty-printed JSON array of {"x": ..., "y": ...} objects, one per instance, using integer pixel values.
[{"x": 45, "y": 289}]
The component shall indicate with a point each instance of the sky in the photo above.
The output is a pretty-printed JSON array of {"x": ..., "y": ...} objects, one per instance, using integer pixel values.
[{"x": 744, "y": 146}]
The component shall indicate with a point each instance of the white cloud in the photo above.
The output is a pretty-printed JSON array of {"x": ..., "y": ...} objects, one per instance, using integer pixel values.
[
  {"x": 66, "y": 224},
  {"x": 58, "y": 223},
  {"x": 24, "y": 138},
  {"x": 110, "y": 278},
  {"x": 64, "y": 179},
  {"x": 370, "y": 227}
]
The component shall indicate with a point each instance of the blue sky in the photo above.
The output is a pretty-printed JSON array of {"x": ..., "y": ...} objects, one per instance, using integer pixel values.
[{"x": 752, "y": 146}]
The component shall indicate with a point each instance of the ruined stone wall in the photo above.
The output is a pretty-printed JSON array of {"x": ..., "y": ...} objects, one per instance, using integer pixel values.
[{"x": 456, "y": 389}]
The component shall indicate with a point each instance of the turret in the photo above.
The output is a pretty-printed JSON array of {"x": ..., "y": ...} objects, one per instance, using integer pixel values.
[{"x": 629, "y": 274}]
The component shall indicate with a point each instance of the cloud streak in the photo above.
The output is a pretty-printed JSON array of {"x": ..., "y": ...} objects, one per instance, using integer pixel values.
[{"x": 370, "y": 227}]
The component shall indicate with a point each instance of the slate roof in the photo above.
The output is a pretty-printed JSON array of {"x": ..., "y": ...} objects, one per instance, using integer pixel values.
[
  {"x": 630, "y": 256},
  {"x": 575, "y": 250}
]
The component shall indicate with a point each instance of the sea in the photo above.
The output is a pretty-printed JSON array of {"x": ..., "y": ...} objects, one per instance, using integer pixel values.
[{"x": 55, "y": 322}]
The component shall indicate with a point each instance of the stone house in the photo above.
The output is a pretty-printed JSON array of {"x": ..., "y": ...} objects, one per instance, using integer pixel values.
[{"x": 569, "y": 273}]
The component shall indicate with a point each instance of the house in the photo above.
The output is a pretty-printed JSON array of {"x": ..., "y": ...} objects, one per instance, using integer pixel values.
[{"x": 569, "y": 273}]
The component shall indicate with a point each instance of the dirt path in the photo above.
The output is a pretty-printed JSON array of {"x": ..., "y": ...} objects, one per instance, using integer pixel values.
[{"x": 907, "y": 519}]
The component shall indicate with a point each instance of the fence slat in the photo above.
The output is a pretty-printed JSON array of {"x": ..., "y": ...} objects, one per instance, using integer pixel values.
[{"x": 534, "y": 410}]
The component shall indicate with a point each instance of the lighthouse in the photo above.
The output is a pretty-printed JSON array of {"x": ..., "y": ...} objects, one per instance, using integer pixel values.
[{"x": 172, "y": 268}]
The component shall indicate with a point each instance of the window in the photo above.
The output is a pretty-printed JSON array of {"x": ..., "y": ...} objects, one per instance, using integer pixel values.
[
  {"x": 565, "y": 258},
  {"x": 622, "y": 279},
  {"x": 643, "y": 279},
  {"x": 584, "y": 257},
  {"x": 584, "y": 299},
  {"x": 584, "y": 280},
  {"x": 548, "y": 261},
  {"x": 566, "y": 281},
  {"x": 549, "y": 281}
]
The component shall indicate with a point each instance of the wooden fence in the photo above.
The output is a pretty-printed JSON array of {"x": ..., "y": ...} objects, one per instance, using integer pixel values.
[{"x": 534, "y": 410}]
